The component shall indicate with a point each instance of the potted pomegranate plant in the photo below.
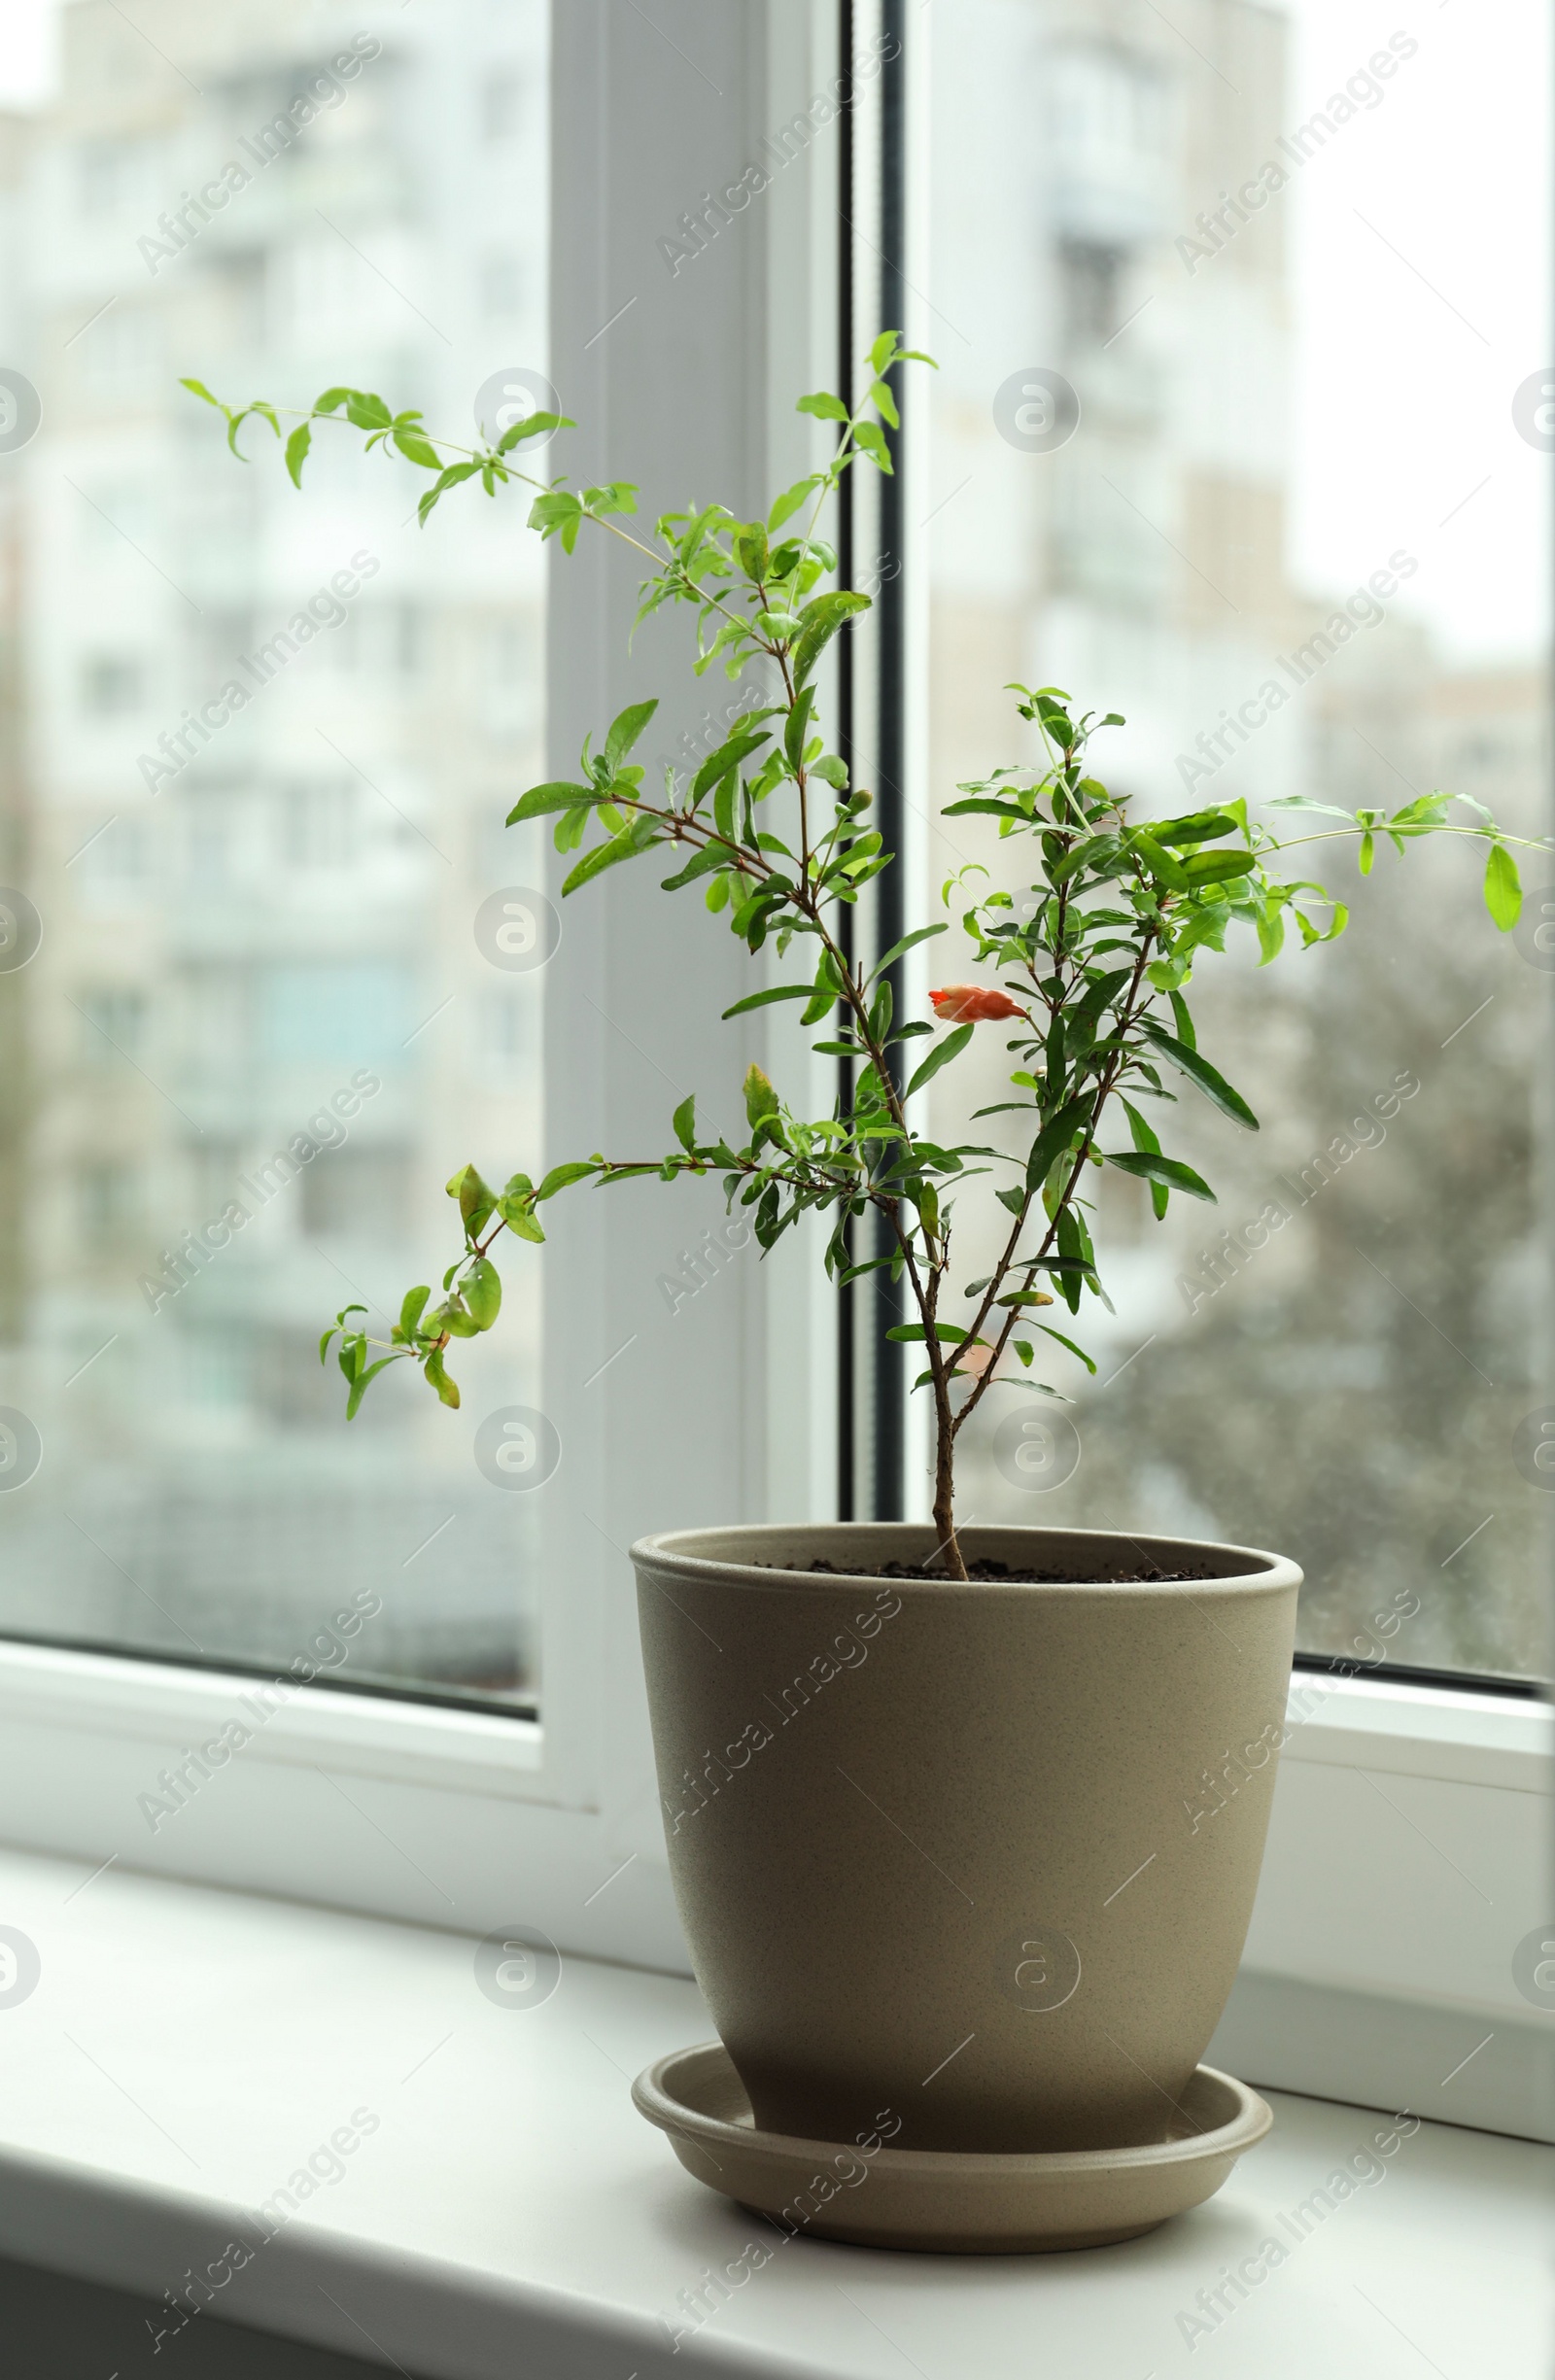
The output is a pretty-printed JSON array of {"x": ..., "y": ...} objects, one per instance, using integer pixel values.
[{"x": 907, "y": 1768}]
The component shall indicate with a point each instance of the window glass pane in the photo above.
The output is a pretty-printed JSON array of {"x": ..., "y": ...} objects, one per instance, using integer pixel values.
[
  {"x": 253, "y": 746},
  {"x": 1300, "y": 537}
]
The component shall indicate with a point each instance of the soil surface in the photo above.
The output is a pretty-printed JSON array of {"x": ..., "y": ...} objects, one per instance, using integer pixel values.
[{"x": 987, "y": 1572}]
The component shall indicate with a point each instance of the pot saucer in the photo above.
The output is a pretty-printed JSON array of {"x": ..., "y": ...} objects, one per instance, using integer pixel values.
[{"x": 945, "y": 2199}]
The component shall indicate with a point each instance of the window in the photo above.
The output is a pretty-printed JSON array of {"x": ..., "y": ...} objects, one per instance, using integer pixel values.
[
  {"x": 359, "y": 1193},
  {"x": 113, "y": 1021},
  {"x": 1016, "y": 190},
  {"x": 109, "y": 1201},
  {"x": 1092, "y": 281},
  {"x": 258, "y": 865},
  {"x": 1241, "y": 532},
  {"x": 113, "y": 175},
  {"x": 319, "y": 825},
  {"x": 110, "y": 684}
]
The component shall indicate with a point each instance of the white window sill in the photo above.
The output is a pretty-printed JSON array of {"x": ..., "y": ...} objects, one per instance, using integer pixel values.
[
  {"x": 153, "y": 1702},
  {"x": 187, "y": 2050},
  {"x": 1388, "y": 1725}
]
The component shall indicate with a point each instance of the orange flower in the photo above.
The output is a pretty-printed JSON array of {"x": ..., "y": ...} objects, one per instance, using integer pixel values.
[{"x": 973, "y": 1004}]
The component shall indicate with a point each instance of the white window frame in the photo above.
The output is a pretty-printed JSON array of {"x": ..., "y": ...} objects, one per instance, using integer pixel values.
[{"x": 1383, "y": 1937}]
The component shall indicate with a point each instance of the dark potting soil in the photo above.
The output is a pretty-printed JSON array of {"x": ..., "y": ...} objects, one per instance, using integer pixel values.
[{"x": 987, "y": 1573}]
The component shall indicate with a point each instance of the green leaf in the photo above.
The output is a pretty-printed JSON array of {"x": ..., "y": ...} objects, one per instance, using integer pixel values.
[
  {"x": 797, "y": 723},
  {"x": 824, "y": 407},
  {"x": 723, "y": 763},
  {"x": 476, "y": 1202},
  {"x": 483, "y": 1291},
  {"x": 684, "y": 1123},
  {"x": 634, "y": 840},
  {"x": 791, "y": 498},
  {"x": 1270, "y": 932},
  {"x": 909, "y": 942},
  {"x": 761, "y": 1100},
  {"x": 433, "y": 1371},
  {"x": 871, "y": 438},
  {"x": 561, "y": 1177},
  {"x": 1161, "y": 864},
  {"x": 625, "y": 730},
  {"x": 450, "y": 478},
  {"x": 557, "y": 511},
  {"x": 1143, "y": 1137},
  {"x": 1204, "y": 826},
  {"x": 1218, "y": 867},
  {"x": 415, "y": 445},
  {"x": 410, "y": 1311},
  {"x": 705, "y": 862},
  {"x": 940, "y": 1056},
  {"x": 752, "y": 551},
  {"x": 764, "y": 999},
  {"x": 1070, "y": 1344},
  {"x": 1200, "y": 1070},
  {"x": 1054, "y": 1139},
  {"x": 363, "y": 1382},
  {"x": 197, "y": 388},
  {"x": 987, "y": 808},
  {"x": 296, "y": 449},
  {"x": 820, "y": 622},
  {"x": 1504, "y": 890},
  {"x": 1074, "y": 1246},
  {"x": 532, "y": 426},
  {"x": 517, "y": 1211},
  {"x": 1146, "y": 1166},
  {"x": 542, "y": 800}
]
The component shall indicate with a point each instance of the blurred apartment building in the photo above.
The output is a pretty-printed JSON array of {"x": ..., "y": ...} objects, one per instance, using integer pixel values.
[
  {"x": 245, "y": 917},
  {"x": 1099, "y": 211}
]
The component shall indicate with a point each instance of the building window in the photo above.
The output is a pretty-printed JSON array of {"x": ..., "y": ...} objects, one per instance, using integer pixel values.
[
  {"x": 107, "y": 1200},
  {"x": 113, "y": 1023},
  {"x": 358, "y": 1192},
  {"x": 111, "y": 683},
  {"x": 1092, "y": 281}
]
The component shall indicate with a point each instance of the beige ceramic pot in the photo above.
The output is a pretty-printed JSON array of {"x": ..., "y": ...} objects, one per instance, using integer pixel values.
[{"x": 978, "y": 1857}]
